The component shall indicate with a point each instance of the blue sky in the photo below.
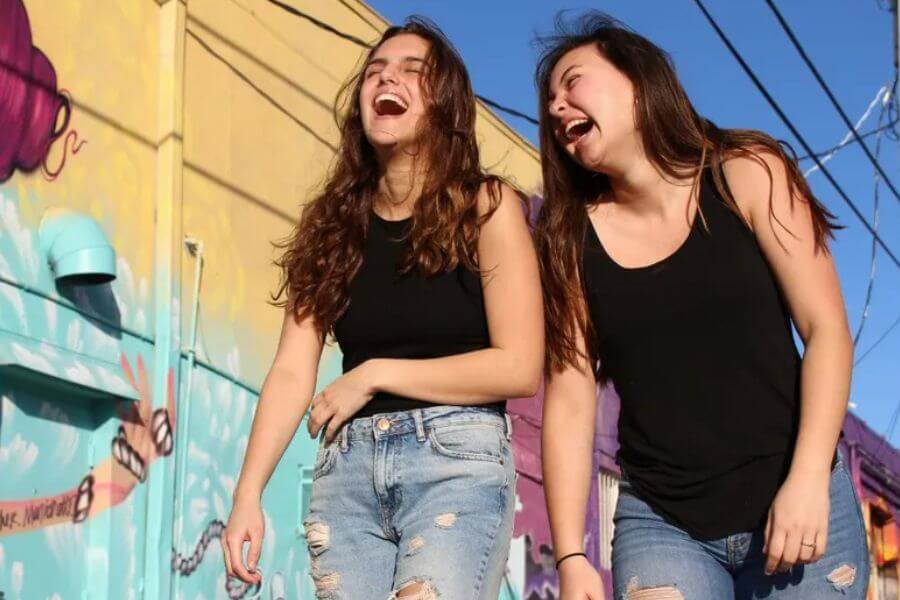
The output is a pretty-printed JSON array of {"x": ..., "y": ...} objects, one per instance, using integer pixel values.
[{"x": 851, "y": 43}]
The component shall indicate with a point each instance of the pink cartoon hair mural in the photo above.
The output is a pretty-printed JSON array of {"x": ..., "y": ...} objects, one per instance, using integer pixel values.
[{"x": 30, "y": 104}]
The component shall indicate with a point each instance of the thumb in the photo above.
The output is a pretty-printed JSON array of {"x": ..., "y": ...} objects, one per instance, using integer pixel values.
[{"x": 255, "y": 548}]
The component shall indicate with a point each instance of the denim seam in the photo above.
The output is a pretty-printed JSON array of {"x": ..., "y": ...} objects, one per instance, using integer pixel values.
[
  {"x": 857, "y": 508},
  {"x": 501, "y": 504},
  {"x": 383, "y": 508}
]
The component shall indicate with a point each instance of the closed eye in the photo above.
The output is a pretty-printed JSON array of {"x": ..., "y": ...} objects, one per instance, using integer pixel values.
[{"x": 570, "y": 81}]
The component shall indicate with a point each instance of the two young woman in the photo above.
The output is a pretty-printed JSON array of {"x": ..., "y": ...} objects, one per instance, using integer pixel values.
[{"x": 674, "y": 254}]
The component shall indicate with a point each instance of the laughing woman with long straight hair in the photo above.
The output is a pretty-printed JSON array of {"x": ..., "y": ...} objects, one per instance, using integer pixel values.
[
  {"x": 676, "y": 255},
  {"x": 422, "y": 267}
]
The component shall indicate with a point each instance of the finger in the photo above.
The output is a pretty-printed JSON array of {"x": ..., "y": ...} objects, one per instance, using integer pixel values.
[
  {"x": 312, "y": 413},
  {"x": 324, "y": 417},
  {"x": 791, "y": 551},
  {"x": 333, "y": 425},
  {"x": 768, "y": 535},
  {"x": 236, "y": 546},
  {"x": 314, "y": 426},
  {"x": 255, "y": 546},
  {"x": 775, "y": 549},
  {"x": 316, "y": 420},
  {"x": 821, "y": 543},
  {"x": 807, "y": 547},
  {"x": 227, "y": 555}
]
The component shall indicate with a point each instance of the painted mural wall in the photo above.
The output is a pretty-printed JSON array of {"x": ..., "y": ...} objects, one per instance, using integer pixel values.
[{"x": 190, "y": 133}]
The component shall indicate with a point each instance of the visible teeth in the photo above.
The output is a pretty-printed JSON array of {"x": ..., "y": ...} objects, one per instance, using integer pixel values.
[
  {"x": 574, "y": 123},
  {"x": 392, "y": 98}
]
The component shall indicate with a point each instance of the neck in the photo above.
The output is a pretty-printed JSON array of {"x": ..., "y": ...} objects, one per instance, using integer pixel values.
[
  {"x": 643, "y": 189},
  {"x": 399, "y": 184}
]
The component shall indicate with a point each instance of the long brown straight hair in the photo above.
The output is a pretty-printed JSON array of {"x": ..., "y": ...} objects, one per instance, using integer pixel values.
[
  {"x": 325, "y": 250},
  {"x": 675, "y": 139}
]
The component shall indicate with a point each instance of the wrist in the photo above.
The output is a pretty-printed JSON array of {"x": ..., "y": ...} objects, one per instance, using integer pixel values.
[
  {"x": 810, "y": 470},
  {"x": 246, "y": 493},
  {"x": 569, "y": 557},
  {"x": 374, "y": 371}
]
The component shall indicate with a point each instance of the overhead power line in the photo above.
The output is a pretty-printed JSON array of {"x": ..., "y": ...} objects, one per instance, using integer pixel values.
[
  {"x": 799, "y": 47},
  {"x": 364, "y": 44},
  {"x": 784, "y": 118}
]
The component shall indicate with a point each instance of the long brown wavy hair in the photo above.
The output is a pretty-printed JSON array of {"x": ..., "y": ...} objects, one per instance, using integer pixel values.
[
  {"x": 676, "y": 140},
  {"x": 325, "y": 250}
]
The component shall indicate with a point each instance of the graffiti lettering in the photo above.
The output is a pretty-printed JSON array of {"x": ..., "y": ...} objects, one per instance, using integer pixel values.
[
  {"x": 52, "y": 508},
  {"x": 8, "y": 520}
]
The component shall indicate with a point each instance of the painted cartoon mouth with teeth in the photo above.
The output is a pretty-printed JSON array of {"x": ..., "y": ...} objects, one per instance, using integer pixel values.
[
  {"x": 162, "y": 432},
  {"x": 83, "y": 499},
  {"x": 144, "y": 436},
  {"x": 127, "y": 456}
]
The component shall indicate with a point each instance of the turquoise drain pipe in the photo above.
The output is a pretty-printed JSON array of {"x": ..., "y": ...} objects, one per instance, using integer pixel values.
[
  {"x": 195, "y": 248},
  {"x": 76, "y": 247}
]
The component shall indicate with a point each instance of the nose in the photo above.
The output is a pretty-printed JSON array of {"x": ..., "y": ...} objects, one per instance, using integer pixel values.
[
  {"x": 557, "y": 107},
  {"x": 388, "y": 75}
]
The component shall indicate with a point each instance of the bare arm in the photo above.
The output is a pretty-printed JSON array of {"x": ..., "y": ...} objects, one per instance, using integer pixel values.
[
  {"x": 285, "y": 395},
  {"x": 567, "y": 444},
  {"x": 811, "y": 287},
  {"x": 809, "y": 282},
  {"x": 567, "y": 440}
]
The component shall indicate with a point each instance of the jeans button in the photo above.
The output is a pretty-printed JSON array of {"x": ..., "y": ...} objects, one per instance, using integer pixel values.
[{"x": 383, "y": 424}]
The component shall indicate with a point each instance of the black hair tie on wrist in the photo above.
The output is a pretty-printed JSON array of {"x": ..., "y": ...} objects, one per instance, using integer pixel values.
[{"x": 569, "y": 556}]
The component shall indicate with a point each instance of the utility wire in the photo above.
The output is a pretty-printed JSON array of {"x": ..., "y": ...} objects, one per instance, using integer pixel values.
[
  {"x": 364, "y": 44},
  {"x": 841, "y": 146},
  {"x": 834, "y": 102},
  {"x": 762, "y": 89},
  {"x": 879, "y": 97}
]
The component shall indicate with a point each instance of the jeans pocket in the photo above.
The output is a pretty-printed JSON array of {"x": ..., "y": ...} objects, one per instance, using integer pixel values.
[
  {"x": 325, "y": 459},
  {"x": 471, "y": 441}
]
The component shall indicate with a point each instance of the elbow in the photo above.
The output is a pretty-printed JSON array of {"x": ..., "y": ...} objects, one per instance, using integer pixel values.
[
  {"x": 832, "y": 334},
  {"x": 526, "y": 382}
]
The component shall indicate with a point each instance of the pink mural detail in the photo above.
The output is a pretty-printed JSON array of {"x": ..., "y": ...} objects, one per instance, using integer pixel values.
[{"x": 30, "y": 104}]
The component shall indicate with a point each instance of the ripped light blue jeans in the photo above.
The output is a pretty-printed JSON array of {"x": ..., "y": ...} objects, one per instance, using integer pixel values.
[
  {"x": 424, "y": 496},
  {"x": 655, "y": 559}
]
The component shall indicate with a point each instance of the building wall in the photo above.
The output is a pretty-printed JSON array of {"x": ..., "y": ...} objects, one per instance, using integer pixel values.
[{"x": 208, "y": 120}]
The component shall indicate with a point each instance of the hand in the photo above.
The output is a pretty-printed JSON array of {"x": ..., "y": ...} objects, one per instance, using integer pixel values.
[
  {"x": 579, "y": 580},
  {"x": 335, "y": 404},
  {"x": 797, "y": 529},
  {"x": 245, "y": 524}
]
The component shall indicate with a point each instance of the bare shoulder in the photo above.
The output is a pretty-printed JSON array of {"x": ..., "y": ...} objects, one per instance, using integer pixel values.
[
  {"x": 758, "y": 179},
  {"x": 506, "y": 202}
]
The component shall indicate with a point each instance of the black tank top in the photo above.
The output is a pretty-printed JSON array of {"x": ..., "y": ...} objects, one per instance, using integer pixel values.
[
  {"x": 700, "y": 349},
  {"x": 407, "y": 316}
]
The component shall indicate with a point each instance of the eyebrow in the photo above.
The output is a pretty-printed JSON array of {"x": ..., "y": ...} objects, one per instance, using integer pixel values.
[{"x": 563, "y": 77}]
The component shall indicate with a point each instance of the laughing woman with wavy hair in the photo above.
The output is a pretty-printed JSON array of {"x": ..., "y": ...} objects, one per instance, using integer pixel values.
[
  {"x": 422, "y": 268},
  {"x": 676, "y": 255}
]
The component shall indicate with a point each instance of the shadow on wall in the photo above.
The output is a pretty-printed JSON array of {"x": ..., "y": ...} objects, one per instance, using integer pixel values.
[{"x": 97, "y": 304}]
